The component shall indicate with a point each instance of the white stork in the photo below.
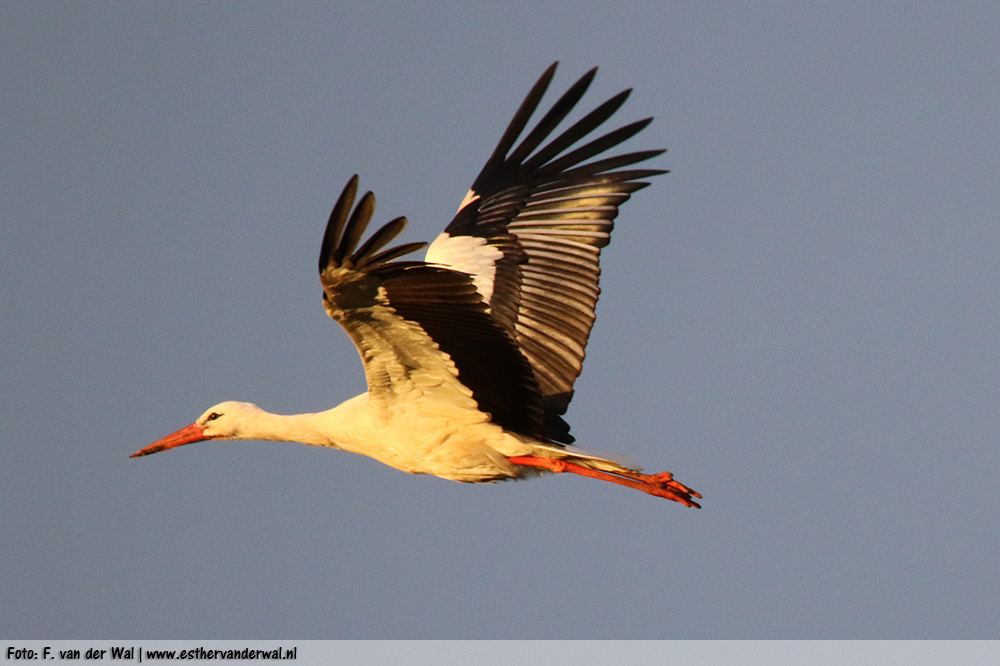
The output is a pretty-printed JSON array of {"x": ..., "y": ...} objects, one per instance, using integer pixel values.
[{"x": 471, "y": 354}]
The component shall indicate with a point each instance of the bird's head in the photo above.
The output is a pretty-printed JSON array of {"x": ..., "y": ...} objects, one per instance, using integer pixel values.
[{"x": 223, "y": 421}]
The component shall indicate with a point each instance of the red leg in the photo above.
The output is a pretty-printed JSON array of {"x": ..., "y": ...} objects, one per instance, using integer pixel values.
[{"x": 660, "y": 485}]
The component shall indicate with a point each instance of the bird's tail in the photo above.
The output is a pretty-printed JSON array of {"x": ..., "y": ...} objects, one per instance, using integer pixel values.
[{"x": 607, "y": 462}]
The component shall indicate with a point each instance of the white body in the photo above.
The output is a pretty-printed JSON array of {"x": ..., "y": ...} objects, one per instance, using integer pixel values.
[{"x": 422, "y": 436}]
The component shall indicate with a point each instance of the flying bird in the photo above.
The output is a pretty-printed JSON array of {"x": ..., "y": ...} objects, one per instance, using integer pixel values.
[{"x": 471, "y": 354}]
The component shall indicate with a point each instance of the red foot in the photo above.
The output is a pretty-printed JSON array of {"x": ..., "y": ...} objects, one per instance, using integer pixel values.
[{"x": 660, "y": 485}]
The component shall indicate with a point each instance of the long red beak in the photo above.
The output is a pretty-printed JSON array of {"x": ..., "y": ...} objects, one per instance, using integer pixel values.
[{"x": 189, "y": 435}]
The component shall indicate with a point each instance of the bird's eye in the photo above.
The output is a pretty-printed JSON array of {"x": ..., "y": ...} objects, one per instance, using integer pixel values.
[{"x": 213, "y": 416}]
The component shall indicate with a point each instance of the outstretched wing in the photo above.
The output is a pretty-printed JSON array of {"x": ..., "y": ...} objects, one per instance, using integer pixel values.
[
  {"x": 421, "y": 329},
  {"x": 531, "y": 229}
]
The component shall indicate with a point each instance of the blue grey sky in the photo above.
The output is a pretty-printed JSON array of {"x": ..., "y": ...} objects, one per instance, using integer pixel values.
[{"x": 800, "y": 321}]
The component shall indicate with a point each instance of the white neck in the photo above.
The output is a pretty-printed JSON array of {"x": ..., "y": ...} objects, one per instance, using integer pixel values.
[{"x": 334, "y": 428}]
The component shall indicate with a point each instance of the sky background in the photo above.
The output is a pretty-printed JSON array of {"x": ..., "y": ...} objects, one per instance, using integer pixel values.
[{"x": 800, "y": 321}]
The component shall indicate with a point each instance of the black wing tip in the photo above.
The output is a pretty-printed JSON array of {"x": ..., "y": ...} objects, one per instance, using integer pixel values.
[
  {"x": 393, "y": 253},
  {"x": 337, "y": 220},
  {"x": 355, "y": 228},
  {"x": 588, "y": 76},
  {"x": 346, "y": 227},
  {"x": 537, "y": 153}
]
